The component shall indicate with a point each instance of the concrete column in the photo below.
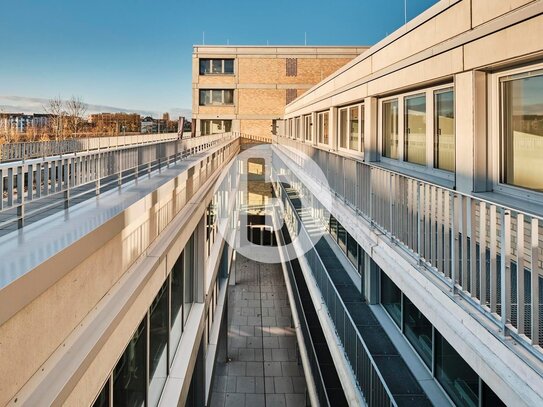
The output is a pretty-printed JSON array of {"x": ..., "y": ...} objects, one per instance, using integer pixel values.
[
  {"x": 371, "y": 119},
  {"x": 471, "y": 132},
  {"x": 332, "y": 128}
]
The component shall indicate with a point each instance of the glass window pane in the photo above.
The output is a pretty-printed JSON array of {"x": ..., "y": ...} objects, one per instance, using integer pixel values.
[
  {"x": 177, "y": 304},
  {"x": 362, "y": 122},
  {"x": 188, "y": 280},
  {"x": 522, "y": 138},
  {"x": 418, "y": 331},
  {"x": 444, "y": 137},
  {"x": 307, "y": 130},
  {"x": 103, "y": 398},
  {"x": 490, "y": 399},
  {"x": 204, "y": 66},
  {"x": 333, "y": 227},
  {"x": 229, "y": 96},
  {"x": 227, "y": 125},
  {"x": 342, "y": 237},
  {"x": 158, "y": 344},
  {"x": 390, "y": 129},
  {"x": 216, "y": 96},
  {"x": 391, "y": 298},
  {"x": 353, "y": 128},
  {"x": 216, "y": 66},
  {"x": 229, "y": 66},
  {"x": 205, "y": 97},
  {"x": 415, "y": 129},
  {"x": 325, "y": 128},
  {"x": 343, "y": 128},
  {"x": 453, "y": 373},
  {"x": 352, "y": 250},
  {"x": 129, "y": 375}
]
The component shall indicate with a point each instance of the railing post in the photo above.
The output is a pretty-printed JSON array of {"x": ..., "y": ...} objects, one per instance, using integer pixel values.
[
  {"x": 453, "y": 244},
  {"x": 505, "y": 269}
]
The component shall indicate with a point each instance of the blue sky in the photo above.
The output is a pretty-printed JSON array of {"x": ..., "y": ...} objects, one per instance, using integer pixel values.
[{"x": 136, "y": 54}]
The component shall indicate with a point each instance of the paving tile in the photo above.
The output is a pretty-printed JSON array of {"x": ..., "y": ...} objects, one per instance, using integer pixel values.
[
  {"x": 275, "y": 400},
  {"x": 295, "y": 400},
  {"x": 254, "y": 369},
  {"x": 217, "y": 399},
  {"x": 290, "y": 369},
  {"x": 235, "y": 400},
  {"x": 245, "y": 384},
  {"x": 231, "y": 384},
  {"x": 273, "y": 369},
  {"x": 255, "y": 400},
  {"x": 280, "y": 355},
  {"x": 236, "y": 368},
  {"x": 283, "y": 385},
  {"x": 298, "y": 384},
  {"x": 246, "y": 354},
  {"x": 219, "y": 384}
]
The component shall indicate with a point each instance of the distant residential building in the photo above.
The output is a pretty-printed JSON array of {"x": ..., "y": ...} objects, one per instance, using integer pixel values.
[
  {"x": 164, "y": 125},
  {"x": 21, "y": 122},
  {"x": 117, "y": 122}
]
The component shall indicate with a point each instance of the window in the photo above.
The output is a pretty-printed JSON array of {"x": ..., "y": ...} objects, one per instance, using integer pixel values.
[
  {"x": 176, "y": 303},
  {"x": 453, "y": 373},
  {"x": 522, "y": 130},
  {"x": 216, "y": 66},
  {"x": 353, "y": 128},
  {"x": 216, "y": 97},
  {"x": 323, "y": 127},
  {"x": 390, "y": 129},
  {"x": 418, "y": 331},
  {"x": 298, "y": 127},
  {"x": 129, "y": 377},
  {"x": 215, "y": 126},
  {"x": 188, "y": 283},
  {"x": 307, "y": 127},
  {"x": 343, "y": 125},
  {"x": 444, "y": 134},
  {"x": 415, "y": 129},
  {"x": 352, "y": 250},
  {"x": 158, "y": 344},
  {"x": 103, "y": 398},
  {"x": 391, "y": 298}
]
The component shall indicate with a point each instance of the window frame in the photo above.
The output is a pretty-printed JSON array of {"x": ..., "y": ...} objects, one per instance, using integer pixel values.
[
  {"x": 496, "y": 129},
  {"x": 428, "y": 170},
  {"x": 222, "y": 71},
  {"x": 308, "y": 136},
  {"x": 319, "y": 115},
  {"x": 359, "y": 149},
  {"x": 212, "y": 92}
]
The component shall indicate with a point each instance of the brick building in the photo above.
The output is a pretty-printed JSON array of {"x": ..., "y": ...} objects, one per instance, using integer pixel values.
[
  {"x": 244, "y": 88},
  {"x": 117, "y": 122}
]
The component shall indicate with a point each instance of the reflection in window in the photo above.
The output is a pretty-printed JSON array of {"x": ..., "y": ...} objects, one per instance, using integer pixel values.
[
  {"x": 216, "y": 66},
  {"x": 415, "y": 129},
  {"x": 189, "y": 279},
  {"x": 216, "y": 97},
  {"x": 208, "y": 127},
  {"x": 342, "y": 237},
  {"x": 129, "y": 375},
  {"x": 333, "y": 227},
  {"x": 391, "y": 298},
  {"x": 390, "y": 129},
  {"x": 522, "y": 134},
  {"x": 418, "y": 331},
  {"x": 103, "y": 398},
  {"x": 444, "y": 135},
  {"x": 177, "y": 303},
  {"x": 323, "y": 127},
  {"x": 453, "y": 373},
  {"x": 158, "y": 344},
  {"x": 343, "y": 125},
  {"x": 307, "y": 127},
  {"x": 353, "y": 128},
  {"x": 352, "y": 250}
]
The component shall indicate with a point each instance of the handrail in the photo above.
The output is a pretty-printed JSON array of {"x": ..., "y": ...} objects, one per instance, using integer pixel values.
[
  {"x": 58, "y": 177},
  {"x": 337, "y": 297},
  {"x": 36, "y": 149},
  {"x": 490, "y": 254}
]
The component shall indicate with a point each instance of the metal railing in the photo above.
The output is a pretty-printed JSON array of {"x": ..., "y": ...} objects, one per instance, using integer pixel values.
[
  {"x": 488, "y": 253},
  {"x": 364, "y": 368},
  {"x": 36, "y": 186},
  {"x": 37, "y": 149}
]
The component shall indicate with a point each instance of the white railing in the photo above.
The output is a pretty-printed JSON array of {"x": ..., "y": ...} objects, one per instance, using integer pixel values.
[{"x": 488, "y": 253}]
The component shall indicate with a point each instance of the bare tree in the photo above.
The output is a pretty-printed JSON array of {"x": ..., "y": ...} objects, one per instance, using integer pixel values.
[
  {"x": 55, "y": 109},
  {"x": 76, "y": 109}
]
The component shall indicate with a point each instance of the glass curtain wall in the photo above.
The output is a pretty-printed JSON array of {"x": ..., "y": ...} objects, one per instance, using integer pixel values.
[
  {"x": 177, "y": 303},
  {"x": 158, "y": 344}
]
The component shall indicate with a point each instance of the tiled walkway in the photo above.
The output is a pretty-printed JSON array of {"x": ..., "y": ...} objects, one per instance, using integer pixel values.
[{"x": 264, "y": 369}]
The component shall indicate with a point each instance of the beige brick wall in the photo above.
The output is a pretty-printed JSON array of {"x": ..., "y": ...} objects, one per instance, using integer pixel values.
[
  {"x": 261, "y": 101},
  {"x": 256, "y": 127}
]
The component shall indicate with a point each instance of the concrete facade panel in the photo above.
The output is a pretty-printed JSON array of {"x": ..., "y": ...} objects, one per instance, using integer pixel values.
[{"x": 486, "y": 10}]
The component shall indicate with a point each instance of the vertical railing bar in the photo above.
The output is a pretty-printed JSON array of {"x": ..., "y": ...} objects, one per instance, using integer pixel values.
[
  {"x": 520, "y": 273},
  {"x": 535, "y": 281},
  {"x": 505, "y": 268},
  {"x": 493, "y": 261},
  {"x": 473, "y": 248},
  {"x": 464, "y": 213},
  {"x": 482, "y": 254}
]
